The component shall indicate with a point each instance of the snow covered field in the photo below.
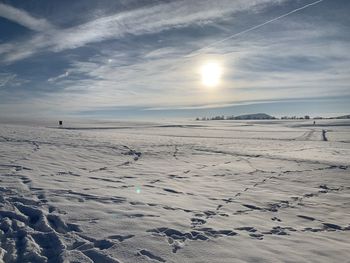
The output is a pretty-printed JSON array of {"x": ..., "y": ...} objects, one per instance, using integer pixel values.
[{"x": 258, "y": 191}]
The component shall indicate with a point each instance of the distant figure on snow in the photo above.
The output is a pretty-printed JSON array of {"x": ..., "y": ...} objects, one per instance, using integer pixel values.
[
  {"x": 60, "y": 123},
  {"x": 314, "y": 123}
]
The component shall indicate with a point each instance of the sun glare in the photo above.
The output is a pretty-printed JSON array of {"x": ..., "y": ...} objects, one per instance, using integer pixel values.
[{"x": 211, "y": 74}]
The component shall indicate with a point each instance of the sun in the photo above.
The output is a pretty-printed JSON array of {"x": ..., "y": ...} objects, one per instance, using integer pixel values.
[{"x": 211, "y": 73}]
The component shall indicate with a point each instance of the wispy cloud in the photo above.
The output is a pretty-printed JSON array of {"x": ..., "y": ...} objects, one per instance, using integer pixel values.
[
  {"x": 10, "y": 80},
  {"x": 6, "y": 78},
  {"x": 197, "y": 52},
  {"x": 263, "y": 69},
  {"x": 64, "y": 75},
  {"x": 147, "y": 20},
  {"x": 23, "y": 18}
]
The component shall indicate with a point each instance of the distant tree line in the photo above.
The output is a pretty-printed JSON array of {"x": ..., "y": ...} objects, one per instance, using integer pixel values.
[
  {"x": 256, "y": 116},
  {"x": 306, "y": 117},
  {"x": 263, "y": 116}
]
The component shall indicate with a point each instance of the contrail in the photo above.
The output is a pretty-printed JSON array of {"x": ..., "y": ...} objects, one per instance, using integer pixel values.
[{"x": 198, "y": 51}]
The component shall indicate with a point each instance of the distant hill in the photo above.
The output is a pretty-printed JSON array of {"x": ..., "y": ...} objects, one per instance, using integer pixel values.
[
  {"x": 256, "y": 116},
  {"x": 343, "y": 117}
]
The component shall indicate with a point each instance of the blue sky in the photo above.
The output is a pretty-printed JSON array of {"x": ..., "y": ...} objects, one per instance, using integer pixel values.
[{"x": 131, "y": 58}]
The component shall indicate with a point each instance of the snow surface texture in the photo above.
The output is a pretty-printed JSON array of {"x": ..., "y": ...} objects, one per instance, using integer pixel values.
[{"x": 254, "y": 191}]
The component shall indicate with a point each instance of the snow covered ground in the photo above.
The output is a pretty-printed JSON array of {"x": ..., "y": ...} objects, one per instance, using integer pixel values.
[{"x": 219, "y": 191}]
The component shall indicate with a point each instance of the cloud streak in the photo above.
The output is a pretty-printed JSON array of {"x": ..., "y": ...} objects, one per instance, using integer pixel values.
[
  {"x": 21, "y": 17},
  {"x": 64, "y": 75},
  {"x": 199, "y": 51},
  {"x": 6, "y": 78},
  {"x": 148, "y": 20}
]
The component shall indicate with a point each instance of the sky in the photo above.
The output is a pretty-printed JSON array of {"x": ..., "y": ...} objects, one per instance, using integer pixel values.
[{"x": 143, "y": 58}]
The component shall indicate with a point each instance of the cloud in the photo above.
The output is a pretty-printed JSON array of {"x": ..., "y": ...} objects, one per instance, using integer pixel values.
[
  {"x": 197, "y": 52},
  {"x": 147, "y": 20},
  {"x": 64, "y": 75},
  {"x": 6, "y": 78},
  {"x": 23, "y": 18},
  {"x": 299, "y": 60},
  {"x": 10, "y": 80}
]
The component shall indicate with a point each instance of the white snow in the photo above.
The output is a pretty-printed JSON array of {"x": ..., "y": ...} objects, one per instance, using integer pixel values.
[{"x": 215, "y": 191}]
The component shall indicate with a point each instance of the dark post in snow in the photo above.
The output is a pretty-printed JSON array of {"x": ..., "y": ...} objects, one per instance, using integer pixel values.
[{"x": 324, "y": 137}]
